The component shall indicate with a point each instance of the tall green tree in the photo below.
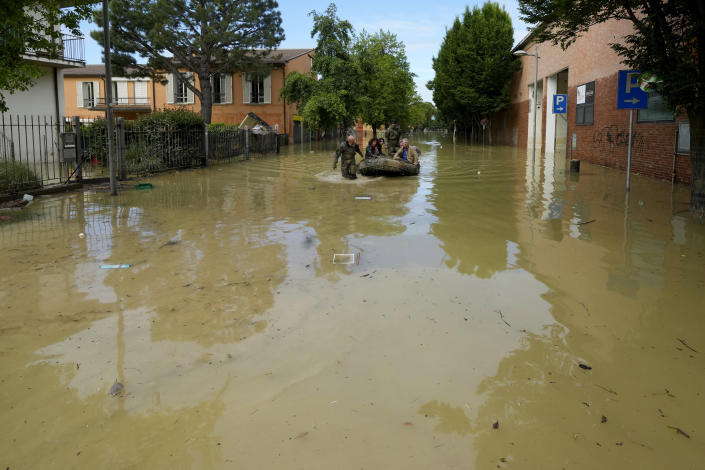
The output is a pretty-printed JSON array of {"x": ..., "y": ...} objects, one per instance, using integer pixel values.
[
  {"x": 205, "y": 37},
  {"x": 386, "y": 83},
  {"x": 327, "y": 97},
  {"x": 422, "y": 113},
  {"x": 668, "y": 40},
  {"x": 28, "y": 27},
  {"x": 475, "y": 65}
]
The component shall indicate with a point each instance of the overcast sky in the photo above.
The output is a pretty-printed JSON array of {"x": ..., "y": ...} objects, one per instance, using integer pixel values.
[{"x": 419, "y": 24}]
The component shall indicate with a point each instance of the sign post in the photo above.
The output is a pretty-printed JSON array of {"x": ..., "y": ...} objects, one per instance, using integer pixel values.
[{"x": 630, "y": 96}]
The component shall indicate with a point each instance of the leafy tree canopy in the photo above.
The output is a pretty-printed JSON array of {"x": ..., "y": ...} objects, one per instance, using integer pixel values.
[
  {"x": 352, "y": 76},
  {"x": 386, "y": 83},
  {"x": 475, "y": 65},
  {"x": 29, "y": 27},
  {"x": 422, "y": 114},
  {"x": 668, "y": 41},
  {"x": 205, "y": 37}
]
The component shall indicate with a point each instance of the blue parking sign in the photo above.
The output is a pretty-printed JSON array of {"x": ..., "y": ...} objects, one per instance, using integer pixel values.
[
  {"x": 560, "y": 104},
  {"x": 629, "y": 93}
]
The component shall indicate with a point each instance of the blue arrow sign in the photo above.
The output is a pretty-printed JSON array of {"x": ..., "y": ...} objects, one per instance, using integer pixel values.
[
  {"x": 560, "y": 104},
  {"x": 629, "y": 95}
]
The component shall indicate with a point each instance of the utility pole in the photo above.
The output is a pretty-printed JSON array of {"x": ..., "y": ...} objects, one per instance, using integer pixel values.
[{"x": 110, "y": 138}]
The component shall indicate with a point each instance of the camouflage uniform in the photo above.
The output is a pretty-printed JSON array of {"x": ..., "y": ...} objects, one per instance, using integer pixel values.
[
  {"x": 346, "y": 153},
  {"x": 392, "y": 137}
]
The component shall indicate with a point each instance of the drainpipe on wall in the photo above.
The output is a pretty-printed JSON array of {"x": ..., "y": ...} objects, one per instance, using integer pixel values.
[
  {"x": 56, "y": 97},
  {"x": 284, "y": 100}
]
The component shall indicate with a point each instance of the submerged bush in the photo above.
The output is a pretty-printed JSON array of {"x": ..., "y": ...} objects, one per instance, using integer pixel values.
[{"x": 15, "y": 176}]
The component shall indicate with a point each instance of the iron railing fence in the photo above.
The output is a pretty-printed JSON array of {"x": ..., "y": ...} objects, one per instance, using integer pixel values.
[
  {"x": 30, "y": 150},
  {"x": 68, "y": 48},
  {"x": 29, "y": 153},
  {"x": 73, "y": 49},
  {"x": 162, "y": 149}
]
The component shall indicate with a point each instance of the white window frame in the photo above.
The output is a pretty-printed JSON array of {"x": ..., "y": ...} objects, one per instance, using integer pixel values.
[
  {"x": 225, "y": 86},
  {"x": 173, "y": 82},
  {"x": 264, "y": 95},
  {"x": 90, "y": 100}
]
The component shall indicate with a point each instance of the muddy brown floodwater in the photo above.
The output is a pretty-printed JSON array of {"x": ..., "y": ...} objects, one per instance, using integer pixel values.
[{"x": 457, "y": 341}]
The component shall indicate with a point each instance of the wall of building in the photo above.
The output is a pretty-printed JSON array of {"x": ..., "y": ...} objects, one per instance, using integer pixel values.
[
  {"x": 274, "y": 113},
  {"x": 39, "y": 100},
  {"x": 604, "y": 142},
  {"x": 71, "y": 98}
]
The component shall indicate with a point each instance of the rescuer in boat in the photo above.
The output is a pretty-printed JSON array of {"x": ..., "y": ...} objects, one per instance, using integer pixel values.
[
  {"x": 392, "y": 136},
  {"x": 346, "y": 153},
  {"x": 407, "y": 154}
]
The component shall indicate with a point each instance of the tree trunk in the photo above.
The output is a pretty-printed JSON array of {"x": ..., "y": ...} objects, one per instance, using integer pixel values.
[
  {"x": 374, "y": 131},
  {"x": 206, "y": 96},
  {"x": 697, "y": 162}
]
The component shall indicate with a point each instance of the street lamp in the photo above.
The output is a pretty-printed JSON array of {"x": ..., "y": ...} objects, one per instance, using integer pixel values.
[{"x": 536, "y": 85}]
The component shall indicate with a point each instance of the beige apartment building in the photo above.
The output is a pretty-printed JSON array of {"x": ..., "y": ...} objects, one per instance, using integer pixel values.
[{"x": 234, "y": 95}]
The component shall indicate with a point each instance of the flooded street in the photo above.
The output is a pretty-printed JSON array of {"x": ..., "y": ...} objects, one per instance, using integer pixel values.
[{"x": 455, "y": 341}]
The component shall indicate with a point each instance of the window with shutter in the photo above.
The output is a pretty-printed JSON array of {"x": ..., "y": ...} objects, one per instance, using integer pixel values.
[
  {"x": 170, "y": 88},
  {"x": 88, "y": 94},
  {"x": 257, "y": 89},
  {"x": 219, "y": 89},
  {"x": 658, "y": 110}
]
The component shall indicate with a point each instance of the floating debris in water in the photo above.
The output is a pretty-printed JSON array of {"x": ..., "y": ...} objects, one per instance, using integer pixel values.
[
  {"x": 116, "y": 389},
  {"x": 495, "y": 425},
  {"x": 603, "y": 419},
  {"x": 344, "y": 258},
  {"x": 679, "y": 431},
  {"x": 115, "y": 266},
  {"x": 584, "y": 366},
  {"x": 363, "y": 198}
]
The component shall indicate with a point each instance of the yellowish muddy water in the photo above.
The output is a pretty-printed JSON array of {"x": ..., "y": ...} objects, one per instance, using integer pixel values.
[{"x": 456, "y": 342}]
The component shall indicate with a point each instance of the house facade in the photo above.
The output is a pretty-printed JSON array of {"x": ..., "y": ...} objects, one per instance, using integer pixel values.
[
  {"x": 46, "y": 97},
  {"x": 593, "y": 129},
  {"x": 234, "y": 95}
]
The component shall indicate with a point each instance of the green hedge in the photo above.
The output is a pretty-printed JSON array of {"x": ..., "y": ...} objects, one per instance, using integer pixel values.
[{"x": 218, "y": 127}]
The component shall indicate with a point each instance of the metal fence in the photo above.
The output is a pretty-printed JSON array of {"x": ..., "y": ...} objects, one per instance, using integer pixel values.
[
  {"x": 29, "y": 153},
  {"x": 30, "y": 150}
]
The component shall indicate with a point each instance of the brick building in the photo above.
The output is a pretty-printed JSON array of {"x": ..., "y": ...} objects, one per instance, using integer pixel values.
[
  {"x": 593, "y": 129},
  {"x": 235, "y": 95}
]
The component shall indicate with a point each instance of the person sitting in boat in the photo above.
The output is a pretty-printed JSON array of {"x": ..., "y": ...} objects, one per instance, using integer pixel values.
[
  {"x": 373, "y": 150},
  {"x": 380, "y": 141},
  {"x": 406, "y": 153},
  {"x": 346, "y": 153}
]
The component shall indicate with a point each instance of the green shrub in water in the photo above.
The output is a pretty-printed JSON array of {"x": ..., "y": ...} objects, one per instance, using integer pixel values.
[{"x": 15, "y": 176}]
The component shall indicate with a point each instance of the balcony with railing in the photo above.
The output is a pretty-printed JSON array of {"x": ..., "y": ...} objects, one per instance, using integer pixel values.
[
  {"x": 127, "y": 103},
  {"x": 70, "y": 52}
]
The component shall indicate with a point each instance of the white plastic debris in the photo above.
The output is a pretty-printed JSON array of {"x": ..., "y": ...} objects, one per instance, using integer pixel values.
[{"x": 344, "y": 258}]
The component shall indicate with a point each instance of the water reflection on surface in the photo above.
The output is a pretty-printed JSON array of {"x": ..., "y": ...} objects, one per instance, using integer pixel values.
[{"x": 482, "y": 284}]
